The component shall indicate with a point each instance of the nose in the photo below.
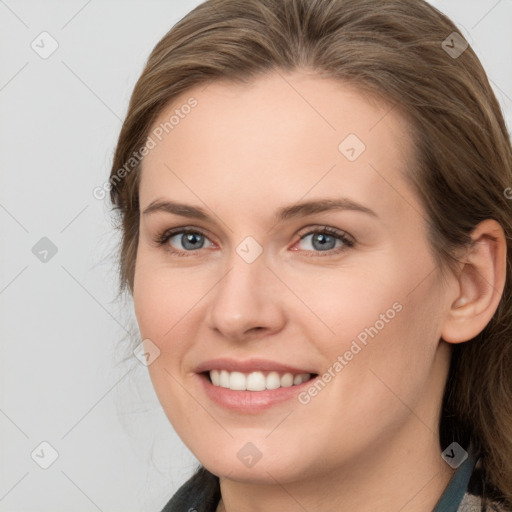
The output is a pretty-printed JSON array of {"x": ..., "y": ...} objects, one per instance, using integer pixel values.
[{"x": 247, "y": 301}]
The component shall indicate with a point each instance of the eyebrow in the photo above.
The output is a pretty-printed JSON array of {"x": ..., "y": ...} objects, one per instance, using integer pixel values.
[{"x": 285, "y": 213}]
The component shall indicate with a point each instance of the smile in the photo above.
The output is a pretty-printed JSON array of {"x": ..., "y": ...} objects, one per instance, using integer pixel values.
[{"x": 255, "y": 381}]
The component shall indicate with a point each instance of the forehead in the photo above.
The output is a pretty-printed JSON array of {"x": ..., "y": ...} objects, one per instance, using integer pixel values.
[{"x": 277, "y": 140}]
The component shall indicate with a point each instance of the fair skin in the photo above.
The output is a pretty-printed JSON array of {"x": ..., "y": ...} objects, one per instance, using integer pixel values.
[{"x": 368, "y": 440}]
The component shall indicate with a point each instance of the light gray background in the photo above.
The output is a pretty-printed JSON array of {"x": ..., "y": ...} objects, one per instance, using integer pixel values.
[{"x": 63, "y": 335}]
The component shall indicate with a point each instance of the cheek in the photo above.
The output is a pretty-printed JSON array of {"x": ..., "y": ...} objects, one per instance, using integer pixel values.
[
  {"x": 386, "y": 318},
  {"x": 167, "y": 304},
  {"x": 349, "y": 300},
  {"x": 161, "y": 307},
  {"x": 158, "y": 309},
  {"x": 162, "y": 296}
]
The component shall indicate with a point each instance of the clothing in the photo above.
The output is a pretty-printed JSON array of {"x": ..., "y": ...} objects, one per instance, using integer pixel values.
[{"x": 464, "y": 493}]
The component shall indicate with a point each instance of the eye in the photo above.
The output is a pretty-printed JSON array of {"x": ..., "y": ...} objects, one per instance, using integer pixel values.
[
  {"x": 189, "y": 239},
  {"x": 326, "y": 239},
  {"x": 186, "y": 241}
]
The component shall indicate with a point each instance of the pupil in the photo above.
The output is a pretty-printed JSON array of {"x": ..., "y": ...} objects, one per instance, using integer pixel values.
[
  {"x": 322, "y": 239},
  {"x": 190, "y": 239}
]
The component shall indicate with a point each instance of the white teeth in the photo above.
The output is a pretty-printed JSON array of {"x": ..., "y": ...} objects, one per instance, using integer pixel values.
[
  {"x": 273, "y": 380},
  {"x": 237, "y": 381},
  {"x": 287, "y": 380},
  {"x": 215, "y": 376},
  {"x": 224, "y": 379},
  {"x": 256, "y": 381}
]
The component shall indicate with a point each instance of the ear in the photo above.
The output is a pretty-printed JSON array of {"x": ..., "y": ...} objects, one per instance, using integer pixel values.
[{"x": 479, "y": 285}]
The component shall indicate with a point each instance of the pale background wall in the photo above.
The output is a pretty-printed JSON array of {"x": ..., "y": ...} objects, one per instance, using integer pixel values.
[{"x": 62, "y": 333}]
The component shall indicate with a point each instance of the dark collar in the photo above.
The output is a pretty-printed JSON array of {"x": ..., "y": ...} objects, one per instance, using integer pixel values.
[{"x": 458, "y": 484}]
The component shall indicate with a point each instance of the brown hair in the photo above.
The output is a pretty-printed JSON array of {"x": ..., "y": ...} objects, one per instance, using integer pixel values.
[{"x": 390, "y": 49}]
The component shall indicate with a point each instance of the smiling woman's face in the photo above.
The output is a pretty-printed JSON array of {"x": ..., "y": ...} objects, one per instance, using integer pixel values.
[{"x": 361, "y": 306}]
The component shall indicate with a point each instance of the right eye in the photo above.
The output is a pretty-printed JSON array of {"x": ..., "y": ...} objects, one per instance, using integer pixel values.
[{"x": 189, "y": 239}]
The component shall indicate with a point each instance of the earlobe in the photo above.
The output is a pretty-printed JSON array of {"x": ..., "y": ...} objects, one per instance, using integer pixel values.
[{"x": 480, "y": 284}]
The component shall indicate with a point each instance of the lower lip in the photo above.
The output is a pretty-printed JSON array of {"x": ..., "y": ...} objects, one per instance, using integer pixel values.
[{"x": 250, "y": 401}]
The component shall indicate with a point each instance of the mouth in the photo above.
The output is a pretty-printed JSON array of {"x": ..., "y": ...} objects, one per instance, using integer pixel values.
[
  {"x": 255, "y": 381},
  {"x": 252, "y": 385},
  {"x": 258, "y": 398}
]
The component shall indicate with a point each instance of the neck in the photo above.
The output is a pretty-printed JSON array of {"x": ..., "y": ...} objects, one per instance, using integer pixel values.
[{"x": 409, "y": 477}]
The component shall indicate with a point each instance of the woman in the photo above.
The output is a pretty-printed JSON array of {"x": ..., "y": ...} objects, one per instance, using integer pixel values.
[{"x": 315, "y": 222}]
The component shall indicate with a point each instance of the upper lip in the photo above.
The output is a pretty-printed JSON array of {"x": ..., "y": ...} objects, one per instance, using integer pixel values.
[{"x": 249, "y": 365}]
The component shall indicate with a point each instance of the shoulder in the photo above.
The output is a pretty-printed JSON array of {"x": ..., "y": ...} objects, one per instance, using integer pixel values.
[
  {"x": 480, "y": 496},
  {"x": 472, "y": 503}
]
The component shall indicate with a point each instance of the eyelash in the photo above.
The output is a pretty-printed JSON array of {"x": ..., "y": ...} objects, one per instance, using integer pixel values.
[{"x": 162, "y": 238}]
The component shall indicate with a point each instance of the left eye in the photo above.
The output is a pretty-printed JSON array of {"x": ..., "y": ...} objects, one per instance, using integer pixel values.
[{"x": 324, "y": 241}]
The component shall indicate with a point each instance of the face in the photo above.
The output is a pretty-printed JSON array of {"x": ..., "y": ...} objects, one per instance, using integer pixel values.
[{"x": 299, "y": 244}]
